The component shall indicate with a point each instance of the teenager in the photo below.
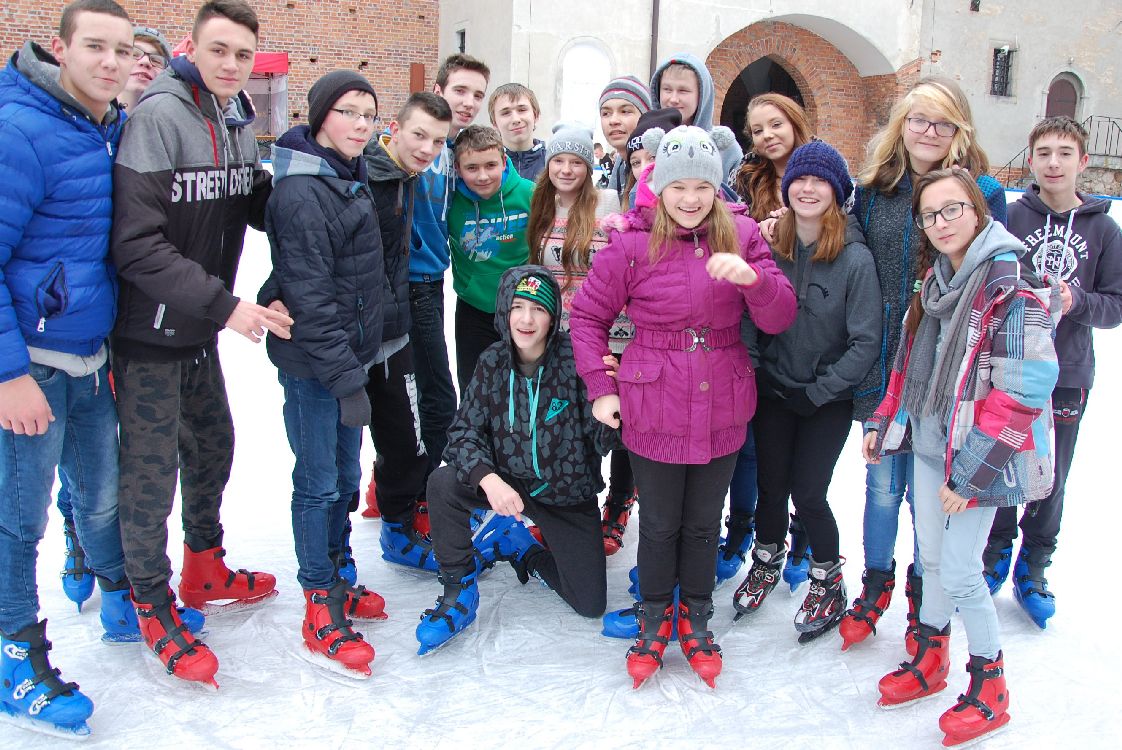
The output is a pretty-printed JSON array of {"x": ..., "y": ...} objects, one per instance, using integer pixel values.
[
  {"x": 564, "y": 236},
  {"x": 1072, "y": 240},
  {"x": 622, "y": 102},
  {"x": 153, "y": 55},
  {"x": 777, "y": 126},
  {"x": 486, "y": 235},
  {"x": 328, "y": 270},
  {"x": 514, "y": 112},
  {"x": 461, "y": 81},
  {"x": 806, "y": 377},
  {"x": 524, "y": 442},
  {"x": 186, "y": 184},
  {"x": 929, "y": 128},
  {"x": 968, "y": 396},
  {"x": 59, "y": 121},
  {"x": 685, "y": 278}
]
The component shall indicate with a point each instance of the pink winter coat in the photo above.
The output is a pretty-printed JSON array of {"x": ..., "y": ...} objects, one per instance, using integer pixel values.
[{"x": 686, "y": 386}]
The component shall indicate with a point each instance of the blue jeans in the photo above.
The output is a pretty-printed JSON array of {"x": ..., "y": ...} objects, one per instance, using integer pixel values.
[
  {"x": 437, "y": 402},
  {"x": 885, "y": 485},
  {"x": 327, "y": 473},
  {"x": 743, "y": 492},
  {"x": 82, "y": 444}
]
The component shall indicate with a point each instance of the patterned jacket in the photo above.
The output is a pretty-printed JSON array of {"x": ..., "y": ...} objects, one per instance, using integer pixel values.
[
  {"x": 1000, "y": 434},
  {"x": 537, "y": 433}
]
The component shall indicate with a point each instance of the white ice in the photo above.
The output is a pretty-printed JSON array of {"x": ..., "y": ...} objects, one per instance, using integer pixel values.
[{"x": 530, "y": 673}]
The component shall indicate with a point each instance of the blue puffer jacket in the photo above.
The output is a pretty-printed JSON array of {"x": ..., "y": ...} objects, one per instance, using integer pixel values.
[{"x": 57, "y": 285}]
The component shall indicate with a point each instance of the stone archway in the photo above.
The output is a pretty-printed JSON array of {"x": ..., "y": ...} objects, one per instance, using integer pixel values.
[{"x": 844, "y": 108}]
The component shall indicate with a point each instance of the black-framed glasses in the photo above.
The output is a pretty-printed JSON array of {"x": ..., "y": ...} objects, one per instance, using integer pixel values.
[
  {"x": 156, "y": 60},
  {"x": 921, "y": 126},
  {"x": 353, "y": 115},
  {"x": 949, "y": 212}
]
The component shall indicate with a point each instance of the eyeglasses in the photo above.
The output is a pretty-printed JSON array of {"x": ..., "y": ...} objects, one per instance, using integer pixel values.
[
  {"x": 921, "y": 126},
  {"x": 949, "y": 212},
  {"x": 352, "y": 115},
  {"x": 157, "y": 61}
]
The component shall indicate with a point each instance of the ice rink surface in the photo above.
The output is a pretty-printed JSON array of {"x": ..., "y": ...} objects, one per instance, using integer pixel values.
[{"x": 530, "y": 673}]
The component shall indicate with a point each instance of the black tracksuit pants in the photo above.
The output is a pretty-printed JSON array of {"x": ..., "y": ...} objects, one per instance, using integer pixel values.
[
  {"x": 1040, "y": 521},
  {"x": 395, "y": 426},
  {"x": 475, "y": 331},
  {"x": 574, "y": 564}
]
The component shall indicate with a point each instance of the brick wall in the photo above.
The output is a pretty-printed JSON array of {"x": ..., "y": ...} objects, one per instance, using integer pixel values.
[
  {"x": 844, "y": 108},
  {"x": 380, "y": 38}
]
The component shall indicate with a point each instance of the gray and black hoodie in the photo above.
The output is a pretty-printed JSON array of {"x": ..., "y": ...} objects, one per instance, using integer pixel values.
[
  {"x": 186, "y": 183},
  {"x": 1082, "y": 247},
  {"x": 536, "y": 431}
]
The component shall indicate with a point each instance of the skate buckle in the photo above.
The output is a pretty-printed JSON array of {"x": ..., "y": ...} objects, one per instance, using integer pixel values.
[
  {"x": 23, "y": 689},
  {"x": 698, "y": 338}
]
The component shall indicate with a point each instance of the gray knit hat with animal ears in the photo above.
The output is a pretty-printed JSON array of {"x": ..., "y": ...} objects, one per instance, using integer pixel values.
[{"x": 687, "y": 152}]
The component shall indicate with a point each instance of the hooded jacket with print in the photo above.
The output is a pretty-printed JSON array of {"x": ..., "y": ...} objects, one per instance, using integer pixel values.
[
  {"x": 703, "y": 118},
  {"x": 186, "y": 183},
  {"x": 999, "y": 435},
  {"x": 327, "y": 263},
  {"x": 1082, "y": 247},
  {"x": 536, "y": 432},
  {"x": 57, "y": 286},
  {"x": 487, "y": 236},
  {"x": 428, "y": 257}
]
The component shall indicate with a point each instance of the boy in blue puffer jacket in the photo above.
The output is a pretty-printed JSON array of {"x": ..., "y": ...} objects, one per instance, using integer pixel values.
[{"x": 59, "y": 129}]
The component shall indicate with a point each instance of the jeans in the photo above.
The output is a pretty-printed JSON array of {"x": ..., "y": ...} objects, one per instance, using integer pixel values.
[
  {"x": 324, "y": 479},
  {"x": 884, "y": 492},
  {"x": 951, "y": 549},
  {"x": 743, "y": 492},
  {"x": 430, "y": 359},
  {"x": 82, "y": 443}
]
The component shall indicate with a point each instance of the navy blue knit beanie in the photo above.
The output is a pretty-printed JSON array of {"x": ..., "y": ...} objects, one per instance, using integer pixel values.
[{"x": 818, "y": 159}]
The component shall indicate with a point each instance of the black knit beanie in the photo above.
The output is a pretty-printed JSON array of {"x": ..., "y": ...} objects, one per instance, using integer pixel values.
[{"x": 328, "y": 89}]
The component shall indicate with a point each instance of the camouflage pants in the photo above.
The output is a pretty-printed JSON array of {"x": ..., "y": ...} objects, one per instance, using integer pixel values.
[{"x": 175, "y": 422}]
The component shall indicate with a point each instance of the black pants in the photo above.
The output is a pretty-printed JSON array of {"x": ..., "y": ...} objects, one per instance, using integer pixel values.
[
  {"x": 430, "y": 360},
  {"x": 475, "y": 331},
  {"x": 395, "y": 426},
  {"x": 680, "y": 526},
  {"x": 175, "y": 424},
  {"x": 796, "y": 457},
  {"x": 574, "y": 565},
  {"x": 1041, "y": 521},
  {"x": 622, "y": 481}
]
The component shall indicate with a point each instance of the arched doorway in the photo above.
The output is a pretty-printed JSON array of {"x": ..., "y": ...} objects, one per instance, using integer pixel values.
[
  {"x": 1063, "y": 98},
  {"x": 761, "y": 76}
]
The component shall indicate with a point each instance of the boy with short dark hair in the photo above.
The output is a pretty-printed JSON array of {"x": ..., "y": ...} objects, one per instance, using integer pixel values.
[
  {"x": 524, "y": 441},
  {"x": 186, "y": 184},
  {"x": 1070, "y": 239},
  {"x": 58, "y": 120},
  {"x": 514, "y": 113},
  {"x": 486, "y": 235},
  {"x": 416, "y": 137},
  {"x": 462, "y": 82}
]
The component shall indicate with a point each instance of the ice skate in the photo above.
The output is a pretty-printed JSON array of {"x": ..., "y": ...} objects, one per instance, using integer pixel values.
[
  {"x": 797, "y": 567},
  {"x": 454, "y": 611},
  {"x": 328, "y": 636},
  {"x": 983, "y": 709},
  {"x": 34, "y": 696},
  {"x": 925, "y": 675},
  {"x": 733, "y": 549},
  {"x": 824, "y": 605},
  {"x": 617, "y": 511},
  {"x": 77, "y": 578},
  {"x": 767, "y": 564},
  {"x": 996, "y": 559},
  {"x": 1030, "y": 587},
  {"x": 696, "y": 640},
  {"x": 210, "y": 587},
  {"x": 645, "y": 657},
  {"x": 876, "y": 593},
  {"x": 403, "y": 545},
  {"x": 182, "y": 655}
]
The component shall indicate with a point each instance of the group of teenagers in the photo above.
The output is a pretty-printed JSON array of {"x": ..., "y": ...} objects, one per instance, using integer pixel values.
[{"x": 713, "y": 320}]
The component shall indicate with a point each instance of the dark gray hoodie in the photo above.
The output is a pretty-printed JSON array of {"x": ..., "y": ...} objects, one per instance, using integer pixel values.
[
  {"x": 836, "y": 335},
  {"x": 1083, "y": 247}
]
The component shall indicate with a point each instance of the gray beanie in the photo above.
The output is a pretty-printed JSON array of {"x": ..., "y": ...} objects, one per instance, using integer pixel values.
[
  {"x": 570, "y": 138},
  {"x": 687, "y": 152}
]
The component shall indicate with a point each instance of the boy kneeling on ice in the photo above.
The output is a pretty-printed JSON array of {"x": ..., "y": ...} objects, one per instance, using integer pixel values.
[{"x": 523, "y": 441}]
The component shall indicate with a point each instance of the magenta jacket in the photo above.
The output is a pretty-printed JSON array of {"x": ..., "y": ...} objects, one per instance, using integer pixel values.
[{"x": 686, "y": 386}]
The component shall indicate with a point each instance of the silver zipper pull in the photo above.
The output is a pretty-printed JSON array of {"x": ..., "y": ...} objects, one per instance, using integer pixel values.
[{"x": 42, "y": 325}]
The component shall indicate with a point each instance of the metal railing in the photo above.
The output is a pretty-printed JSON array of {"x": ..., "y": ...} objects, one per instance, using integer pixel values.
[{"x": 1104, "y": 138}]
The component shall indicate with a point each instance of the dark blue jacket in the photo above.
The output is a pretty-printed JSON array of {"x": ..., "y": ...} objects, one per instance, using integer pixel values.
[
  {"x": 57, "y": 285},
  {"x": 327, "y": 264}
]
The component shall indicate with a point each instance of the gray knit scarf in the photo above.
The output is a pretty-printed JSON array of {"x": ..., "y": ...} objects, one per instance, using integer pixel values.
[{"x": 929, "y": 383}]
